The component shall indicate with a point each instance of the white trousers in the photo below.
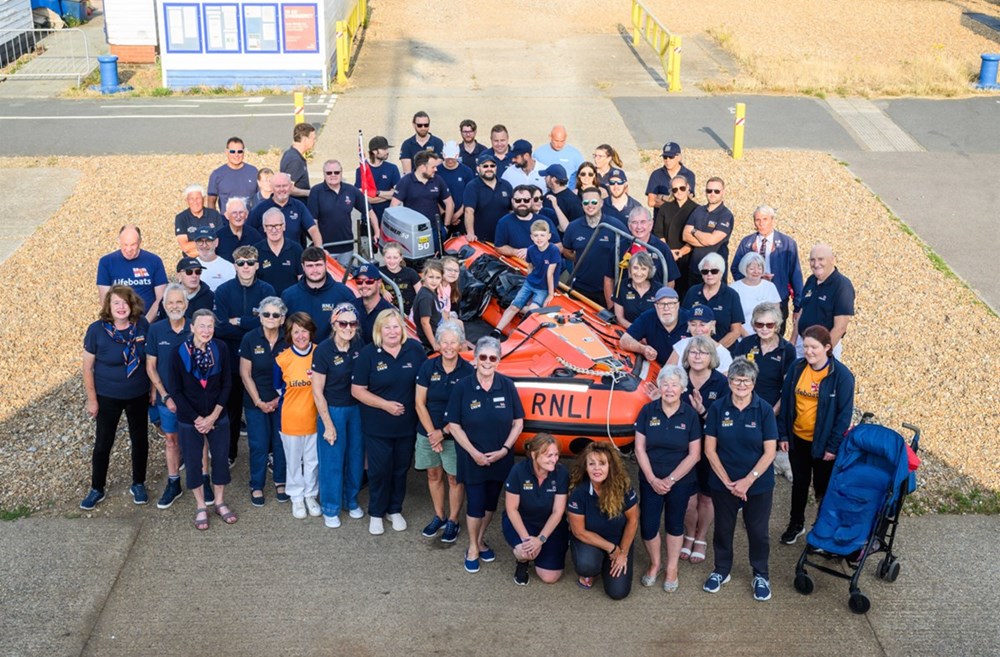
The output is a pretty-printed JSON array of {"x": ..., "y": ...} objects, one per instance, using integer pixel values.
[{"x": 302, "y": 472}]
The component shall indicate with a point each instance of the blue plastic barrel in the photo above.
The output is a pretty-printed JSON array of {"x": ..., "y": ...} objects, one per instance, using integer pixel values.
[
  {"x": 988, "y": 72},
  {"x": 109, "y": 72}
]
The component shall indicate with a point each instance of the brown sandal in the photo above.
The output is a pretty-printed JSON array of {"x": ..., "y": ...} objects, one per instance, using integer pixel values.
[
  {"x": 227, "y": 515},
  {"x": 201, "y": 524}
]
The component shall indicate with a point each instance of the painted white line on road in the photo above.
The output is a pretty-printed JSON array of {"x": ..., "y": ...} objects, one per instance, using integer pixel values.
[
  {"x": 255, "y": 101},
  {"x": 145, "y": 106},
  {"x": 141, "y": 116}
]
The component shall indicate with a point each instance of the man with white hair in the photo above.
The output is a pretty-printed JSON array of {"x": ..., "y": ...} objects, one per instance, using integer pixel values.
[
  {"x": 196, "y": 215},
  {"x": 234, "y": 232},
  {"x": 298, "y": 219},
  {"x": 827, "y": 300}
]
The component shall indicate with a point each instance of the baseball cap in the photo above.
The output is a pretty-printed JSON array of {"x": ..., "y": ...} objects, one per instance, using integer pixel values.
[
  {"x": 188, "y": 263},
  {"x": 665, "y": 293},
  {"x": 204, "y": 233},
  {"x": 702, "y": 314},
  {"x": 376, "y": 143},
  {"x": 450, "y": 150},
  {"x": 557, "y": 171},
  {"x": 520, "y": 147},
  {"x": 367, "y": 270},
  {"x": 617, "y": 174},
  {"x": 671, "y": 149},
  {"x": 486, "y": 156}
]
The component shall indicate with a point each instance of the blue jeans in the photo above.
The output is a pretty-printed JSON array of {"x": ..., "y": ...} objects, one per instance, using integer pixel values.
[
  {"x": 342, "y": 464},
  {"x": 263, "y": 437}
]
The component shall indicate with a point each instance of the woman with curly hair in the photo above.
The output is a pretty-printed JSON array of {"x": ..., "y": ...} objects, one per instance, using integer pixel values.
[{"x": 603, "y": 518}]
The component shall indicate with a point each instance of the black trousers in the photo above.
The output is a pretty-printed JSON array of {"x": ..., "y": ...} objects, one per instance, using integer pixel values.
[
  {"x": 590, "y": 561},
  {"x": 804, "y": 468},
  {"x": 234, "y": 409},
  {"x": 109, "y": 413},
  {"x": 756, "y": 515}
]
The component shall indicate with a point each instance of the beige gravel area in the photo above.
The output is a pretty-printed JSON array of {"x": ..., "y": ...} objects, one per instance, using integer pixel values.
[{"x": 922, "y": 346}]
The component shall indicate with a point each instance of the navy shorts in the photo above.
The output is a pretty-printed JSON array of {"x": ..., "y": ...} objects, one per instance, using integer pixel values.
[
  {"x": 552, "y": 556},
  {"x": 482, "y": 497}
]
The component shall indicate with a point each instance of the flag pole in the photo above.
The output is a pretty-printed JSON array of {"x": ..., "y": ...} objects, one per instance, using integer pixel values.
[{"x": 363, "y": 162}]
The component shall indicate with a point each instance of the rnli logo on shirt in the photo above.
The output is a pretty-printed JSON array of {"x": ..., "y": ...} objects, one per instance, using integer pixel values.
[
  {"x": 751, "y": 425},
  {"x": 328, "y": 307},
  {"x": 140, "y": 271},
  {"x": 264, "y": 264},
  {"x": 435, "y": 377},
  {"x": 499, "y": 402},
  {"x": 814, "y": 389},
  {"x": 654, "y": 422},
  {"x": 474, "y": 405},
  {"x": 711, "y": 224},
  {"x": 338, "y": 360},
  {"x": 503, "y": 194},
  {"x": 727, "y": 422},
  {"x": 191, "y": 229},
  {"x": 552, "y": 488},
  {"x": 630, "y": 295},
  {"x": 574, "y": 506},
  {"x": 258, "y": 350},
  {"x": 348, "y": 200},
  {"x": 713, "y": 395},
  {"x": 822, "y": 297},
  {"x": 407, "y": 366},
  {"x": 381, "y": 367},
  {"x": 293, "y": 216},
  {"x": 682, "y": 426},
  {"x": 808, "y": 294},
  {"x": 528, "y": 485}
]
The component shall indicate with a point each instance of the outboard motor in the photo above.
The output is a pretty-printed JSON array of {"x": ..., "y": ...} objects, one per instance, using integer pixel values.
[{"x": 410, "y": 230}]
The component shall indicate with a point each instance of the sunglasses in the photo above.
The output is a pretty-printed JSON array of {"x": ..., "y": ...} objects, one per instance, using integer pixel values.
[
  {"x": 616, "y": 182},
  {"x": 521, "y": 201},
  {"x": 487, "y": 166},
  {"x": 490, "y": 358},
  {"x": 589, "y": 174},
  {"x": 345, "y": 324},
  {"x": 422, "y": 125},
  {"x": 365, "y": 281},
  {"x": 707, "y": 272},
  {"x": 269, "y": 315},
  {"x": 590, "y": 202},
  {"x": 712, "y": 191},
  {"x": 333, "y": 173},
  {"x": 192, "y": 272},
  {"x": 767, "y": 325},
  {"x": 536, "y": 199},
  {"x": 245, "y": 263},
  {"x": 682, "y": 188},
  {"x": 235, "y": 151},
  {"x": 670, "y": 157}
]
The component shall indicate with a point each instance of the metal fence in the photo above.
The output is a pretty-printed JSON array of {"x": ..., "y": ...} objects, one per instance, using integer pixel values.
[{"x": 45, "y": 53}]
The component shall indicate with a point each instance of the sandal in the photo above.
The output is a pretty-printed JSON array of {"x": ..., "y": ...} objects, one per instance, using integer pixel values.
[
  {"x": 224, "y": 512},
  {"x": 649, "y": 580},
  {"x": 697, "y": 556},
  {"x": 201, "y": 524},
  {"x": 686, "y": 551},
  {"x": 585, "y": 582}
]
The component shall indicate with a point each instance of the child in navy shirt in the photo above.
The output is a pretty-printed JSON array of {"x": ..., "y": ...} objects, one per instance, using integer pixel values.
[{"x": 544, "y": 265}]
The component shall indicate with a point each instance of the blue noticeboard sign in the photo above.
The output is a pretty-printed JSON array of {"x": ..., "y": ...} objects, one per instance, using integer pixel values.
[
  {"x": 260, "y": 28},
  {"x": 222, "y": 27},
  {"x": 182, "y": 27}
]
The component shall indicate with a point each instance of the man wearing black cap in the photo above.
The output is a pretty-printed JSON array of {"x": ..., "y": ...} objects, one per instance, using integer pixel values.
[
  {"x": 386, "y": 176},
  {"x": 658, "y": 187},
  {"x": 422, "y": 140},
  {"x": 560, "y": 197},
  {"x": 199, "y": 296},
  {"x": 370, "y": 301},
  {"x": 486, "y": 200},
  {"x": 618, "y": 203},
  {"x": 655, "y": 332},
  {"x": 216, "y": 270},
  {"x": 525, "y": 169}
]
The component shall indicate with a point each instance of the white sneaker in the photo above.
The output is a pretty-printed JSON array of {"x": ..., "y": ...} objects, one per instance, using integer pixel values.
[
  {"x": 398, "y": 521},
  {"x": 298, "y": 508},
  {"x": 313, "y": 506},
  {"x": 375, "y": 527},
  {"x": 356, "y": 513},
  {"x": 331, "y": 521}
]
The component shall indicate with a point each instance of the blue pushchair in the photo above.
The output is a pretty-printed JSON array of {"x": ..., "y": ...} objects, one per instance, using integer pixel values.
[{"x": 859, "y": 514}]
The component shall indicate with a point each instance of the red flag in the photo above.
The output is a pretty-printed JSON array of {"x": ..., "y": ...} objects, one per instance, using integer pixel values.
[{"x": 367, "y": 179}]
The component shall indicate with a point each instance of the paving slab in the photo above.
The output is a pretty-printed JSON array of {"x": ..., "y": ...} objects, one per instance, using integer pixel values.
[{"x": 33, "y": 195}]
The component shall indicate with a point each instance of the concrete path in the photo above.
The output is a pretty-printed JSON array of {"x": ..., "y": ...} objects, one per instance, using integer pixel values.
[{"x": 33, "y": 195}]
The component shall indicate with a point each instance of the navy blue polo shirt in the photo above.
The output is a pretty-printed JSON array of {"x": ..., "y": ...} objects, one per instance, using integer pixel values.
[
  {"x": 726, "y": 306},
  {"x": 298, "y": 219},
  {"x": 740, "y": 437},
  {"x": 633, "y": 302},
  {"x": 503, "y": 164},
  {"x": 424, "y": 197},
  {"x": 583, "y": 501},
  {"x": 659, "y": 181},
  {"x": 457, "y": 179},
  {"x": 486, "y": 417},
  {"x": 110, "y": 377},
  {"x": 540, "y": 261},
  {"x": 668, "y": 437},
  {"x": 185, "y": 223},
  {"x": 707, "y": 222},
  {"x": 470, "y": 160},
  {"x": 588, "y": 275},
  {"x": 621, "y": 215},
  {"x": 648, "y": 327},
  {"x": 228, "y": 242},
  {"x": 386, "y": 176},
  {"x": 367, "y": 319},
  {"x": 161, "y": 341},
  {"x": 821, "y": 302},
  {"x": 661, "y": 278},
  {"x": 568, "y": 202},
  {"x": 711, "y": 391},
  {"x": 337, "y": 365},
  {"x": 332, "y": 210},
  {"x": 516, "y": 233},
  {"x": 410, "y": 147},
  {"x": 282, "y": 270},
  {"x": 256, "y": 349},
  {"x": 439, "y": 385},
  {"x": 772, "y": 366},
  {"x": 489, "y": 205},
  {"x": 536, "y": 499},
  {"x": 391, "y": 378}
]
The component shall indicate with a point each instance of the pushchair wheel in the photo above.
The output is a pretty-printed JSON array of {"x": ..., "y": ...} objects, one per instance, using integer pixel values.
[
  {"x": 804, "y": 584},
  {"x": 859, "y": 603},
  {"x": 888, "y": 569}
]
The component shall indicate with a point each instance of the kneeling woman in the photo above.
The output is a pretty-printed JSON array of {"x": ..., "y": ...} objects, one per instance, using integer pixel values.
[
  {"x": 485, "y": 416},
  {"x": 603, "y": 518},
  {"x": 535, "y": 502}
]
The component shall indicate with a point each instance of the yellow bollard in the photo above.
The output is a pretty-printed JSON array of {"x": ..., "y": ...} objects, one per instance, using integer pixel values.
[
  {"x": 738, "y": 125},
  {"x": 300, "y": 107},
  {"x": 363, "y": 4},
  {"x": 343, "y": 56},
  {"x": 675, "y": 64}
]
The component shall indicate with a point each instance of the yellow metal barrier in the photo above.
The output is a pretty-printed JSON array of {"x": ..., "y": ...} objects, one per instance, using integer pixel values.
[
  {"x": 300, "y": 107},
  {"x": 347, "y": 30},
  {"x": 738, "y": 125},
  {"x": 666, "y": 46}
]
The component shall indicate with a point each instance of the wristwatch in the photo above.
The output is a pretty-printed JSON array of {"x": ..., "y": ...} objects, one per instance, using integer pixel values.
[
  {"x": 755, "y": 474},
  {"x": 542, "y": 538}
]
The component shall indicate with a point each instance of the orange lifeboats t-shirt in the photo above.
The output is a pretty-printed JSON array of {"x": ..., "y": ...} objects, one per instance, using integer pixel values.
[
  {"x": 298, "y": 409},
  {"x": 807, "y": 401}
]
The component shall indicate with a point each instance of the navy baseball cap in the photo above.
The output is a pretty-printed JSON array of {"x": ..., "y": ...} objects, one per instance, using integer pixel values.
[
  {"x": 520, "y": 147},
  {"x": 188, "y": 263},
  {"x": 486, "y": 156},
  {"x": 557, "y": 171},
  {"x": 617, "y": 174},
  {"x": 204, "y": 233},
  {"x": 702, "y": 314},
  {"x": 665, "y": 293},
  {"x": 378, "y": 142},
  {"x": 367, "y": 270},
  {"x": 671, "y": 149}
]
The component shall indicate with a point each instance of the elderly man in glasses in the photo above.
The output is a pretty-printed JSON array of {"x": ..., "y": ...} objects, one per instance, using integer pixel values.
[
  {"x": 196, "y": 292},
  {"x": 708, "y": 229},
  {"x": 333, "y": 202},
  {"x": 234, "y": 231},
  {"x": 280, "y": 259},
  {"x": 234, "y": 178}
]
